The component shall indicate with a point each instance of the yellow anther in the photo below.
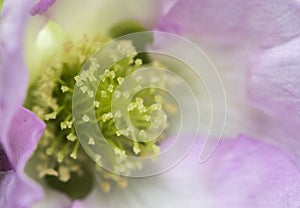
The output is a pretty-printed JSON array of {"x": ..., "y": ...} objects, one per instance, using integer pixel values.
[
  {"x": 91, "y": 141},
  {"x": 64, "y": 174},
  {"x": 103, "y": 94},
  {"x": 118, "y": 114},
  {"x": 75, "y": 151},
  {"x": 146, "y": 117},
  {"x": 138, "y": 62},
  {"x": 117, "y": 93},
  {"x": 112, "y": 74},
  {"x": 126, "y": 94},
  {"x": 66, "y": 124},
  {"x": 91, "y": 93},
  {"x": 98, "y": 158},
  {"x": 136, "y": 148},
  {"x": 105, "y": 186},
  {"x": 71, "y": 137},
  {"x": 96, "y": 104},
  {"x": 137, "y": 88},
  {"x": 120, "y": 80},
  {"x": 84, "y": 89},
  {"x": 131, "y": 106},
  {"x": 60, "y": 157},
  {"x": 64, "y": 89},
  {"x": 122, "y": 182},
  {"x": 107, "y": 116},
  {"x": 85, "y": 118},
  {"x": 110, "y": 88},
  {"x": 50, "y": 116}
]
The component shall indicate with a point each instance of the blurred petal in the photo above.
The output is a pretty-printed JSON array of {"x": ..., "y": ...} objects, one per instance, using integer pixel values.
[
  {"x": 24, "y": 133},
  {"x": 4, "y": 161},
  {"x": 79, "y": 204},
  {"x": 167, "y": 5},
  {"x": 18, "y": 191},
  {"x": 253, "y": 174},
  {"x": 262, "y": 22},
  {"x": 273, "y": 84},
  {"x": 54, "y": 199},
  {"x": 240, "y": 174},
  {"x": 41, "y": 7},
  {"x": 13, "y": 73},
  {"x": 231, "y": 32}
]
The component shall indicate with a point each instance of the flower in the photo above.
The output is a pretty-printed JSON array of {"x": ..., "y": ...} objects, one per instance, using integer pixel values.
[{"x": 241, "y": 172}]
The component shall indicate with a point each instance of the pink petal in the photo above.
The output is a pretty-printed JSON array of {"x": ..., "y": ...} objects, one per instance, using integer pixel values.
[
  {"x": 54, "y": 199},
  {"x": 263, "y": 22},
  {"x": 248, "y": 173},
  {"x": 242, "y": 173},
  {"x": 18, "y": 191},
  {"x": 24, "y": 133},
  {"x": 13, "y": 72},
  {"x": 78, "y": 204},
  {"x": 273, "y": 84},
  {"x": 41, "y": 7}
]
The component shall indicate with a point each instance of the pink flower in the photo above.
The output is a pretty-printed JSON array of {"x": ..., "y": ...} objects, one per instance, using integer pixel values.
[{"x": 255, "y": 47}]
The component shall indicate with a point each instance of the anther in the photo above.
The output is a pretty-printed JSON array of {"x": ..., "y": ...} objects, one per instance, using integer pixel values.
[
  {"x": 75, "y": 151},
  {"x": 91, "y": 141},
  {"x": 85, "y": 118}
]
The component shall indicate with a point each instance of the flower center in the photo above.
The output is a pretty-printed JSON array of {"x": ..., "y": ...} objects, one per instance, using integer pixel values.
[{"x": 60, "y": 159}]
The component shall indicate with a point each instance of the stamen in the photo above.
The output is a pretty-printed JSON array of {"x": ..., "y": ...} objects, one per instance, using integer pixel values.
[
  {"x": 71, "y": 137},
  {"x": 105, "y": 187},
  {"x": 122, "y": 182},
  {"x": 85, "y": 118},
  {"x": 64, "y": 173},
  {"x": 91, "y": 141},
  {"x": 75, "y": 151},
  {"x": 59, "y": 152},
  {"x": 64, "y": 89}
]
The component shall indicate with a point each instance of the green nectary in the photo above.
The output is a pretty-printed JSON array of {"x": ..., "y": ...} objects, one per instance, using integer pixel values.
[{"x": 60, "y": 158}]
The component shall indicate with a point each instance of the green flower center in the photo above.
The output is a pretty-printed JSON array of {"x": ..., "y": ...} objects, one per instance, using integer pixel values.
[{"x": 60, "y": 160}]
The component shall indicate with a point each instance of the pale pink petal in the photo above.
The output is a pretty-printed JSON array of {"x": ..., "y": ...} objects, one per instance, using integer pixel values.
[
  {"x": 13, "y": 72},
  {"x": 24, "y": 133},
  {"x": 263, "y": 22},
  {"x": 248, "y": 173},
  {"x": 41, "y": 7},
  {"x": 242, "y": 173},
  {"x": 16, "y": 189},
  {"x": 273, "y": 85}
]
